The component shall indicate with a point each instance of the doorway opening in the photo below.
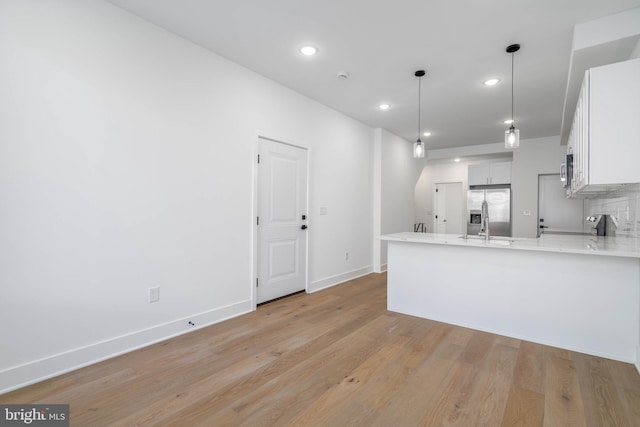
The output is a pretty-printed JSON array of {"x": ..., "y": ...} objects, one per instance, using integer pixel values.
[{"x": 262, "y": 304}]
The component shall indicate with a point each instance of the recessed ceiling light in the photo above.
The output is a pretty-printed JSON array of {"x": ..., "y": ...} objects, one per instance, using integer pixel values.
[
  {"x": 308, "y": 50},
  {"x": 426, "y": 134},
  {"x": 508, "y": 121},
  {"x": 384, "y": 106},
  {"x": 491, "y": 82},
  {"x": 457, "y": 159}
]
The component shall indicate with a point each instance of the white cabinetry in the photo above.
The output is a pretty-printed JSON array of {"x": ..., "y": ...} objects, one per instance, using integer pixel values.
[
  {"x": 605, "y": 134},
  {"x": 490, "y": 173},
  {"x": 479, "y": 174}
]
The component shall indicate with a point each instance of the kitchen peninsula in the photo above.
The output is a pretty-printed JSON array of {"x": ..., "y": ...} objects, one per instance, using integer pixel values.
[{"x": 580, "y": 293}]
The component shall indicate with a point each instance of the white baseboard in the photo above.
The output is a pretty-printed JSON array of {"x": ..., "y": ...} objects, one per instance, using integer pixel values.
[
  {"x": 39, "y": 370},
  {"x": 319, "y": 285},
  {"x": 382, "y": 269}
]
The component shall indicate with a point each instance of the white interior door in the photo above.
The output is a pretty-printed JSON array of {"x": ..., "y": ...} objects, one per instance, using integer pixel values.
[
  {"x": 449, "y": 208},
  {"x": 281, "y": 222},
  {"x": 556, "y": 213}
]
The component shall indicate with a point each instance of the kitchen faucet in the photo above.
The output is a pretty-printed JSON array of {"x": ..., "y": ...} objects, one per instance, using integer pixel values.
[{"x": 484, "y": 220}]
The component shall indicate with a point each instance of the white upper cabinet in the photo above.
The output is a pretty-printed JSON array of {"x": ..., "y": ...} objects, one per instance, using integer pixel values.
[
  {"x": 490, "y": 173},
  {"x": 500, "y": 173},
  {"x": 479, "y": 174},
  {"x": 605, "y": 135}
]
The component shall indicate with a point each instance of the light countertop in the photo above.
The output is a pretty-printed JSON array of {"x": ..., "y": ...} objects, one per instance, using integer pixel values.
[{"x": 590, "y": 245}]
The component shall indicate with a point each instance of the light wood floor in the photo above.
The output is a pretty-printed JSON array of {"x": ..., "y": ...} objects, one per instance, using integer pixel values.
[{"x": 338, "y": 358}]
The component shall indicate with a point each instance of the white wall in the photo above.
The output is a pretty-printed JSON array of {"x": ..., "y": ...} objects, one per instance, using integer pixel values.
[
  {"x": 395, "y": 173},
  {"x": 534, "y": 157},
  {"x": 437, "y": 171},
  {"x": 127, "y": 161}
]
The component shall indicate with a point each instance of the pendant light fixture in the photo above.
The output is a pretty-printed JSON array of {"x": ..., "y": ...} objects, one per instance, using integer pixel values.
[
  {"x": 418, "y": 146},
  {"x": 512, "y": 135}
]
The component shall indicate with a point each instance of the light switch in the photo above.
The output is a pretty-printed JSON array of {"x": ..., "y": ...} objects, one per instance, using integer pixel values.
[{"x": 154, "y": 294}]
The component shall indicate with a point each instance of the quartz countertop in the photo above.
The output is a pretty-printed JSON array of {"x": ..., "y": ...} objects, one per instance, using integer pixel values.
[{"x": 577, "y": 244}]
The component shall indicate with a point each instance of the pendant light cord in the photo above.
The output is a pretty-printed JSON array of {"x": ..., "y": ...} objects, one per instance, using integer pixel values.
[
  {"x": 419, "y": 92},
  {"x": 512, "y": 119}
]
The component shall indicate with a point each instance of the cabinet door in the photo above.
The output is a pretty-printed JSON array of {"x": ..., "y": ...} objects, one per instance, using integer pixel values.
[
  {"x": 479, "y": 174},
  {"x": 500, "y": 173},
  {"x": 570, "y": 150},
  {"x": 580, "y": 131},
  {"x": 614, "y": 123}
]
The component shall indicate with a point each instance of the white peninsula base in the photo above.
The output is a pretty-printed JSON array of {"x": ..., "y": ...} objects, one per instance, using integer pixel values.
[{"x": 580, "y": 302}]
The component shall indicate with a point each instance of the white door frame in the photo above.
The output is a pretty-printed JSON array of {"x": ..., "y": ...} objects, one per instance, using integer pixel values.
[
  {"x": 538, "y": 233},
  {"x": 254, "y": 216},
  {"x": 435, "y": 201}
]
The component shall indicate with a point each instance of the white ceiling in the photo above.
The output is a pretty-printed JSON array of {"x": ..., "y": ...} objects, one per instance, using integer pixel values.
[{"x": 382, "y": 43}]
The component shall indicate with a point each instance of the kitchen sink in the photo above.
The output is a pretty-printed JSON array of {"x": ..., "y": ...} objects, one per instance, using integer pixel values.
[{"x": 498, "y": 240}]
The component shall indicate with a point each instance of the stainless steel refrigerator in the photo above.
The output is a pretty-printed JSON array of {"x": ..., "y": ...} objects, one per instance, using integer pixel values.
[{"x": 499, "y": 201}]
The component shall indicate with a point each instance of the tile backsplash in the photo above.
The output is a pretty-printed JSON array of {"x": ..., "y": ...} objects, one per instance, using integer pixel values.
[{"x": 624, "y": 205}]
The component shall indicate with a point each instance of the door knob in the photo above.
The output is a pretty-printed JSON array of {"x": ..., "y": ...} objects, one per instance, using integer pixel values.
[{"x": 304, "y": 227}]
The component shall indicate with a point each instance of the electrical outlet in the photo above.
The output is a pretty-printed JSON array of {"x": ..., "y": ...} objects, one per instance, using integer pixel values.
[{"x": 154, "y": 294}]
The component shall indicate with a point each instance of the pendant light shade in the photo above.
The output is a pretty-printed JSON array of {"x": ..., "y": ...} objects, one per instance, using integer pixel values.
[
  {"x": 418, "y": 147},
  {"x": 512, "y": 135},
  {"x": 512, "y": 138}
]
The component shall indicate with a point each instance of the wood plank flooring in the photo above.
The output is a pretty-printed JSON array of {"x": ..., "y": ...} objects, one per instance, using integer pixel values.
[{"x": 339, "y": 358}]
